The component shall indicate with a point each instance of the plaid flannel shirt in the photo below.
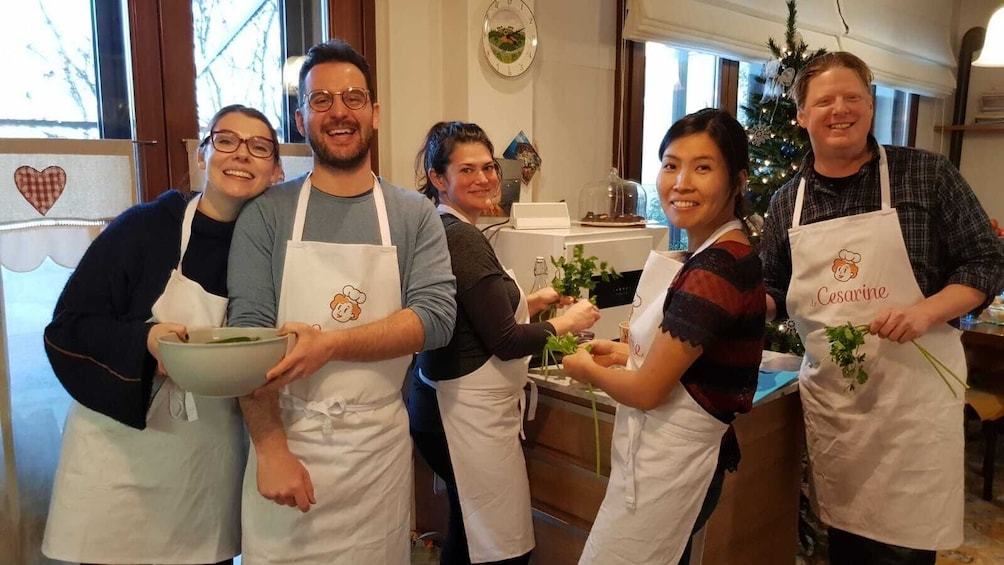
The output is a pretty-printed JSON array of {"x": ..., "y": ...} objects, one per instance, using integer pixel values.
[{"x": 947, "y": 232}]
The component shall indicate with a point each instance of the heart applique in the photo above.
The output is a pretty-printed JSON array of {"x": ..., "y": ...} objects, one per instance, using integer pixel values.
[{"x": 40, "y": 188}]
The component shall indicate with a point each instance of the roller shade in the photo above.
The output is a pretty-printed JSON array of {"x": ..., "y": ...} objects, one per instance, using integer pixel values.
[{"x": 906, "y": 42}]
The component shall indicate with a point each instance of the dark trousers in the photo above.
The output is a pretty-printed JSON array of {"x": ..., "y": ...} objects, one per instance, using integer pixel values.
[
  {"x": 851, "y": 549},
  {"x": 434, "y": 450}
]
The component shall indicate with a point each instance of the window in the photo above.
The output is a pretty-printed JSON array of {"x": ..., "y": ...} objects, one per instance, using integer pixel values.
[
  {"x": 892, "y": 116},
  {"x": 677, "y": 82},
  {"x": 748, "y": 86},
  {"x": 52, "y": 53},
  {"x": 153, "y": 71}
]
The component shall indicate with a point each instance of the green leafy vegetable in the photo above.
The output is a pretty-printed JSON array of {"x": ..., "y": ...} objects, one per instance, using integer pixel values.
[
  {"x": 568, "y": 344},
  {"x": 845, "y": 341},
  {"x": 236, "y": 339},
  {"x": 573, "y": 276}
]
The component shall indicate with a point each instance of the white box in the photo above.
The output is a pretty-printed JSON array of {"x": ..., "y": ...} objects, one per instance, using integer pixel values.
[{"x": 624, "y": 249}]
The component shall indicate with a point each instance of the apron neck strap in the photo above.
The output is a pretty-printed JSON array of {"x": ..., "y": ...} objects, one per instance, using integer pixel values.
[
  {"x": 722, "y": 230},
  {"x": 884, "y": 186},
  {"x": 299, "y": 219},
  {"x": 186, "y": 226},
  {"x": 447, "y": 209}
]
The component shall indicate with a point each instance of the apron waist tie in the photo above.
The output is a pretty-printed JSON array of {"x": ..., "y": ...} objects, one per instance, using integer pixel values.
[
  {"x": 428, "y": 382},
  {"x": 730, "y": 453},
  {"x": 527, "y": 409},
  {"x": 527, "y": 406},
  {"x": 328, "y": 409},
  {"x": 182, "y": 403},
  {"x": 635, "y": 423}
]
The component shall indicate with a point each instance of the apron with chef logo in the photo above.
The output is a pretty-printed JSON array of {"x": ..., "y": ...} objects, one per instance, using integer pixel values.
[
  {"x": 166, "y": 494},
  {"x": 887, "y": 457},
  {"x": 346, "y": 423},
  {"x": 482, "y": 415},
  {"x": 662, "y": 460}
]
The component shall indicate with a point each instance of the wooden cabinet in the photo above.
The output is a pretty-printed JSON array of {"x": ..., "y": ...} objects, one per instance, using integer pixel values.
[{"x": 755, "y": 522}]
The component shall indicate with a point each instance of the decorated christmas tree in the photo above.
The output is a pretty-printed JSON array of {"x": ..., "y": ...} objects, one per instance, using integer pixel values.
[{"x": 777, "y": 144}]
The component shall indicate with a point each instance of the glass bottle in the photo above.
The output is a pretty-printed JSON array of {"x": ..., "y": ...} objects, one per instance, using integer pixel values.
[{"x": 540, "y": 281}]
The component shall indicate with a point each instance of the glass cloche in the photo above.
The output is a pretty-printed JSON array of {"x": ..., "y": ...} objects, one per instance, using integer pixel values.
[{"x": 612, "y": 201}]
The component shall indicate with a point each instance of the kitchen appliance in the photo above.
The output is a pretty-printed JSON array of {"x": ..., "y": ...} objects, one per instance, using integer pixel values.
[{"x": 624, "y": 249}]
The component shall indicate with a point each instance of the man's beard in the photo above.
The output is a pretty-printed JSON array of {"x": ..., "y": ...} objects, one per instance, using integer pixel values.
[{"x": 337, "y": 162}]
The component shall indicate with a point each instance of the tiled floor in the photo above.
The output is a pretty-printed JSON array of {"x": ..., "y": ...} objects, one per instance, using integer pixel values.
[{"x": 984, "y": 521}]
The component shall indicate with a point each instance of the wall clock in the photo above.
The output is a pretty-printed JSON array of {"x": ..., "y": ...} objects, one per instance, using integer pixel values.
[{"x": 509, "y": 37}]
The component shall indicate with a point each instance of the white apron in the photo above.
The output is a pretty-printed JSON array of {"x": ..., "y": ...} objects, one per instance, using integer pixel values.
[
  {"x": 887, "y": 458},
  {"x": 166, "y": 494},
  {"x": 346, "y": 423},
  {"x": 482, "y": 416},
  {"x": 662, "y": 460}
]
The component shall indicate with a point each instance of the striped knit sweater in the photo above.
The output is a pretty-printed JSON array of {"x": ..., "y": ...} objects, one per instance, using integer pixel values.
[{"x": 718, "y": 302}]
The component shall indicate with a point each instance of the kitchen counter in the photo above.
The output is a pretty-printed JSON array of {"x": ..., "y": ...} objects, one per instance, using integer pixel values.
[{"x": 756, "y": 518}]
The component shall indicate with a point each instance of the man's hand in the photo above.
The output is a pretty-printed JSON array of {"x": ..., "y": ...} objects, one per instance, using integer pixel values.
[
  {"x": 284, "y": 480},
  {"x": 160, "y": 330},
  {"x": 901, "y": 324},
  {"x": 311, "y": 352}
]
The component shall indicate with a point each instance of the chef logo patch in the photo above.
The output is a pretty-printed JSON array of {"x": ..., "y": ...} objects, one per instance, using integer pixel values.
[
  {"x": 845, "y": 266},
  {"x": 347, "y": 305}
]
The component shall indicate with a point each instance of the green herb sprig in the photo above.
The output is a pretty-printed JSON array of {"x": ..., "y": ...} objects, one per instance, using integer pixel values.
[
  {"x": 845, "y": 341},
  {"x": 574, "y": 275},
  {"x": 567, "y": 345}
]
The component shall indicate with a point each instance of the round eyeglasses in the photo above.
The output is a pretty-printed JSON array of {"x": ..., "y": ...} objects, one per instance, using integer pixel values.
[
  {"x": 322, "y": 100},
  {"x": 226, "y": 141}
]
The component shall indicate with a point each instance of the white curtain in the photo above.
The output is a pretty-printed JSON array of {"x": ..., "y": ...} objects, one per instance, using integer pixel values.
[
  {"x": 907, "y": 43},
  {"x": 56, "y": 195}
]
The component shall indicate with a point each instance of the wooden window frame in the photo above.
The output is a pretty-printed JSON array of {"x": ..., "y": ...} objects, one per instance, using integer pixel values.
[
  {"x": 629, "y": 100},
  {"x": 164, "y": 80}
]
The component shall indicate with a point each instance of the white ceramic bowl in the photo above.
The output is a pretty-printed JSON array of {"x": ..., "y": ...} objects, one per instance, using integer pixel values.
[{"x": 206, "y": 367}]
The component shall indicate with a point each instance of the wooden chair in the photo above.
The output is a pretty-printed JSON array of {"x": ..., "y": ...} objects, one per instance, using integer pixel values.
[{"x": 987, "y": 404}]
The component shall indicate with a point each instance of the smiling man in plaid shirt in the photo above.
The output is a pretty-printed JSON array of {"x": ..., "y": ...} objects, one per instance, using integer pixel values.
[{"x": 894, "y": 238}]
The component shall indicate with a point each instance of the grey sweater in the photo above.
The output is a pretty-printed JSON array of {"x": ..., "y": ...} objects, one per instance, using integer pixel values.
[{"x": 258, "y": 251}]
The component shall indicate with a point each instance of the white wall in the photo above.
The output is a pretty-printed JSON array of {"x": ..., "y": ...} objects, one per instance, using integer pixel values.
[
  {"x": 982, "y": 164},
  {"x": 430, "y": 68}
]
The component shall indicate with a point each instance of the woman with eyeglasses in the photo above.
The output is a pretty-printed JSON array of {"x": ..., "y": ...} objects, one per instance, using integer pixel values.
[
  {"x": 464, "y": 407},
  {"x": 150, "y": 473}
]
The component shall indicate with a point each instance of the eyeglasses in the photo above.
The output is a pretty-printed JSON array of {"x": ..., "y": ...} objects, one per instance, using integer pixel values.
[
  {"x": 226, "y": 141},
  {"x": 322, "y": 100}
]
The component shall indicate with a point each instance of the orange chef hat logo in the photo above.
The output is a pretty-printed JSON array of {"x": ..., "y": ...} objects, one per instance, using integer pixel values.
[
  {"x": 845, "y": 266},
  {"x": 345, "y": 306}
]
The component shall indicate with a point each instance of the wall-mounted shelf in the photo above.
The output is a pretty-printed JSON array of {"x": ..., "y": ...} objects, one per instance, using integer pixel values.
[{"x": 972, "y": 127}]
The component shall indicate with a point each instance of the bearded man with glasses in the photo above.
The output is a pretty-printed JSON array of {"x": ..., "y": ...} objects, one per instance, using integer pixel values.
[{"x": 359, "y": 272}]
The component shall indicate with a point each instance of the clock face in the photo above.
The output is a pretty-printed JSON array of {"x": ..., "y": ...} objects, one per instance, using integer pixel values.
[{"x": 509, "y": 37}]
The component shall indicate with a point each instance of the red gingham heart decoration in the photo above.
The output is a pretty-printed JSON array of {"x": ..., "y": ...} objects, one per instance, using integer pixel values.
[{"x": 40, "y": 189}]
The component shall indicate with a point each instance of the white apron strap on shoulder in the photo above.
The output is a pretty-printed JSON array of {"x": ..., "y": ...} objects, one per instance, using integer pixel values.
[
  {"x": 299, "y": 219},
  {"x": 884, "y": 185}
]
